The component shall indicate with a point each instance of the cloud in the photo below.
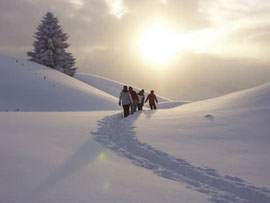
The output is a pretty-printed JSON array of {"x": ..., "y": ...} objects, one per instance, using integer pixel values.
[
  {"x": 102, "y": 35},
  {"x": 90, "y": 23},
  {"x": 185, "y": 15},
  {"x": 226, "y": 11},
  {"x": 77, "y": 3},
  {"x": 117, "y": 8}
]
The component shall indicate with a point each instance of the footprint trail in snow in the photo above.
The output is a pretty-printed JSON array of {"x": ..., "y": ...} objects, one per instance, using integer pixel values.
[{"x": 119, "y": 135}]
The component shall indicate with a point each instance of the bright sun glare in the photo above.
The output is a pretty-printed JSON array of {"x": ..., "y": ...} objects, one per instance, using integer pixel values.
[{"x": 159, "y": 43}]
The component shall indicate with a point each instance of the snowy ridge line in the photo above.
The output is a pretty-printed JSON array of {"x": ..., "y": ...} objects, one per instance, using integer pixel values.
[{"x": 118, "y": 135}]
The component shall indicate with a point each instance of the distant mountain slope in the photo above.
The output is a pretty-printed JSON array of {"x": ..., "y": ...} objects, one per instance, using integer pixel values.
[
  {"x": 27, "y": 86},
  {"x": 109, "y": 86}
]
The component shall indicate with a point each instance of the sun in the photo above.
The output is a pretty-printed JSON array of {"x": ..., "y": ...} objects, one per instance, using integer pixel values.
[{"x": 159, "y": 43}]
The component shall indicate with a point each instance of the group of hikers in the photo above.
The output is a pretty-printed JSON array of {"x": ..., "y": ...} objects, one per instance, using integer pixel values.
[{"x": 132, "y": 100}]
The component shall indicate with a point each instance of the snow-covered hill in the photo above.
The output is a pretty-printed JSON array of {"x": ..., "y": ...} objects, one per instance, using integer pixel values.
[
  {"x": 215, "y": 150},
  {"x": 27, "y": 86},
  {"x": 258, "y": 97},
  {"x": 109, "y": 86},
  {"x": 113, "y": 88},
  {"x": 219, "y": 147}
]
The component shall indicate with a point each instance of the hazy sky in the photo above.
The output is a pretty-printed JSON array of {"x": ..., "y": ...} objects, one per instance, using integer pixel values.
[{"x": 222, "y": 45}]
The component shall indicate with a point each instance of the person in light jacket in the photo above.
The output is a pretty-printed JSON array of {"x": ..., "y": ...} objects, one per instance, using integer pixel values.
[
  {"x": 152, "y": 100},
  {"x": 141, "y": 100},
  {"x": 126, "y": 100}
]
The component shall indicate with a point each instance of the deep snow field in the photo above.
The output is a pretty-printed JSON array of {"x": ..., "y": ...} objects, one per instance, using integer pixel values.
[{"x": 68, "y": 142}]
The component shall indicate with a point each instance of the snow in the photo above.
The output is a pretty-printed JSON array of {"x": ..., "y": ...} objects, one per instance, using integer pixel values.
[
  {"x": 180, "y": 157},
  {"x": 110, "y": 86},
  {"x": 229, "y": 134},
  {"x": 52, "y": 157},
  {"x": 215, "y": 150},
  {"x": 28, "y": 86}
]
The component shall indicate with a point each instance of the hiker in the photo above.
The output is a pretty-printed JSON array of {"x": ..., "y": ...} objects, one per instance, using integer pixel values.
[
  {"x": 126, "y": 100},
  {"x": 134, "y": 97},
  {"x": 141, "y": 100},
  {"x": 152, "y": 99}
]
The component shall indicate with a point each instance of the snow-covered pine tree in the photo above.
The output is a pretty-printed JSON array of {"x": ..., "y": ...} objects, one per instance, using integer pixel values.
[{"x": 50, "y": 45}]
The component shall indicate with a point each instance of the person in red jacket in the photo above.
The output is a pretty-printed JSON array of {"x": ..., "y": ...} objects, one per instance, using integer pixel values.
[
  {"x": 152, "y": 100},
  {"x": 135, "y": 100}
]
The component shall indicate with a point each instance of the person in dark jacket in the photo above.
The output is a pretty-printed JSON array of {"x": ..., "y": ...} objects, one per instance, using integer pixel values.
[
  {"x": 126, "y": 100},
  {"x": 134, "y": 97},
  {"x": 140, "y": 100},
  {"x": 152, "y": 100}
]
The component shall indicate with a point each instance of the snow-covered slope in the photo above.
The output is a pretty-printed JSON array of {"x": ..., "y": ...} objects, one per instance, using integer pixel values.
[
  {"x": 27, "y": 86},
  {"x": 109, "y": 86},
  {"x": 215, "y": 150},
  {"x": 258, "y": 97},
  {"x": 219, "y": 147}
]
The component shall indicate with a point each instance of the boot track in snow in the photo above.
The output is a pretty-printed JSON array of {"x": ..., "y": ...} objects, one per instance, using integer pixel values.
[{"x": 119, "y": 135}]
